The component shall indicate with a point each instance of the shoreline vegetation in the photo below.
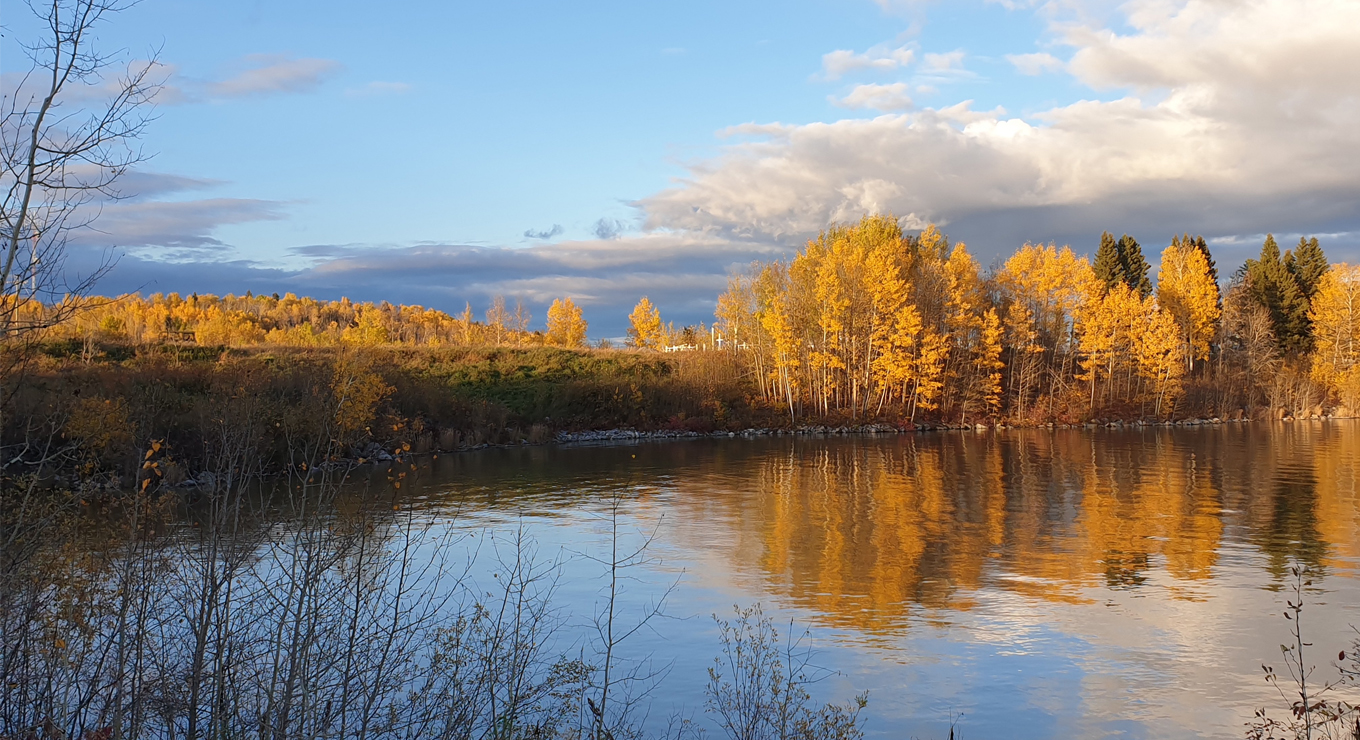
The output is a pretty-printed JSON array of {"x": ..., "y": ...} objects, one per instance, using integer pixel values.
[{"x": 867, "y": 328}]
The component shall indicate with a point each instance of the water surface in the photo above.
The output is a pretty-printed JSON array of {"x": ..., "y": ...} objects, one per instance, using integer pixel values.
[{"x": 1024, "y": 584}]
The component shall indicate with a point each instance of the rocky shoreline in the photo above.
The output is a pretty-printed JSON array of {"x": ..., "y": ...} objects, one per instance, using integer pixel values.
[{"x": 624, "y": 435}]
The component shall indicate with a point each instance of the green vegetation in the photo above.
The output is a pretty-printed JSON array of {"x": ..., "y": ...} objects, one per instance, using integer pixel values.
[{"x": 103, "y": 405}]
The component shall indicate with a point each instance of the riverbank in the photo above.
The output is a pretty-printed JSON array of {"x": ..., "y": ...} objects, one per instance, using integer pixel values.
[
  {"x": 611, "y": 435},
  {"x": 95, "y": 417}
]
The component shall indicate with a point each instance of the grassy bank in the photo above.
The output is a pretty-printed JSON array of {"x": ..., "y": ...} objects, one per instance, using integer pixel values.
[{"x": 99, "y": 409}]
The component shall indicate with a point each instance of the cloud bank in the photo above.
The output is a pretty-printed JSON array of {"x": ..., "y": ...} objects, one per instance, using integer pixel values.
[
  {"x": 684, "y": 273},
  {"x": 1226, "y": 119}
]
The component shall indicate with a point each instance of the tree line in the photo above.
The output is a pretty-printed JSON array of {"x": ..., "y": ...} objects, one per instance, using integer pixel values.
[
  {"x": 292, "y": 321},
  {"x": 868, "y": 319}
]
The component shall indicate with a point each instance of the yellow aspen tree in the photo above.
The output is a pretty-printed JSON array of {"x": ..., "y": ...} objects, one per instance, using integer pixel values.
[
  {"x": 465, "y": 323},
  {"x": 1160, "y": 361},
  {"x": 828, "y": 360},
  {"x": 1108, "y": 328},
  {"x": 889, "y": 291},
  {"x": 1022, "y": 336},
  {"x": 1187, "y": 290},
  {"x": 367, "y": 331},
  {"x": 894, "y": 363},
  {"x": 1098, "y": 330},
  {"x": 963, "y": 326},
  {"x": 989, "y": 361},
  {"x": 644, "y": 325},
  {"x": 775, "y": 320},
  {"x": 932, "y": 350},
  {"x": 770, "y": 289},
  {"x": 566, "y": 326},
  {"x": 735, "y": 313},
  {"x": 932, "y": 243},
  {"x": 1335, "y": 315}
]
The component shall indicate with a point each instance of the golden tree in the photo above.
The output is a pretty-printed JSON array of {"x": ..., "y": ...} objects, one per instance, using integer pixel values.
[
  {"x": 1046, "y": 288},
  {"x": 1159, "y": 350},
  {"x": 1335, "y": 315},
  {"x": 566, "y": 327},
  {"x": 1110, "y": 328},
  {"x": 1187, "y": 290},
  {"x": 989, "y": 362},
  {"x": 644, "y": 325},
  {"x": 367, "y": 331}
]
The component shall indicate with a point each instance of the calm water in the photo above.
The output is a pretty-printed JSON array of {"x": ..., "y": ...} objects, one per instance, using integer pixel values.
[{"x": 1029, "y": 584}]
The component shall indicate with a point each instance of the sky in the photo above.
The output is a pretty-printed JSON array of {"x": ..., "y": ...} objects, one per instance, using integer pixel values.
[{"x": 438, "y": 153}]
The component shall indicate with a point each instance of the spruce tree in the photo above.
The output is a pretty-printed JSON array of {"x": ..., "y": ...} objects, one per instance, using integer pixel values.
[
  {"x": 1109, "y": 265},
  {"x": 1273, "y": 286},
  {"x": 1135, "y": 267},
  {"x": 1298, "y": 330},
  {"x": 1308, "y": 266},
  {"x": 1259, "y": 274}
]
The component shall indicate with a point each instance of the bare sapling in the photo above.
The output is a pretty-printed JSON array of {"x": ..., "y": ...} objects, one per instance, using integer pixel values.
[
  {"x": 758, "y": 687},
  {"x": 1316, "y": 708},
  {"x": 59, "y": 161},
  {"x": 623, "y": 684}
]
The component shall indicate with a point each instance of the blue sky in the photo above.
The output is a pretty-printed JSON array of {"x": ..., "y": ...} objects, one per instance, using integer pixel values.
[{"x": 436, "y": 153}]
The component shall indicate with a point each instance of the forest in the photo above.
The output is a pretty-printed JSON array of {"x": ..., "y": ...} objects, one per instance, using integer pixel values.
[
  {"x": 868, "y": 322},
  {"x": 867, "y": 319}
]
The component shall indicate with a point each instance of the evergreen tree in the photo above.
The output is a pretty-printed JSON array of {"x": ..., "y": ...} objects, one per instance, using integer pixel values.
[
  {"x": 1109, "y": 265},
  {"x": 1273, "y": 285},
  {"x": 1309, "y": 265},
  {"x": 1135, "y": 267}
]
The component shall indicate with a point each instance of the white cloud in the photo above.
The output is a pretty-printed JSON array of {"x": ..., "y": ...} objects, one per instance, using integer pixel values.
[
  {"x": 843, "y": 61},
  {"x": 378, "y": 88},
  {"x": 1035, "y": 64},
  {"x": 944, "y": 62},
  {"x": 273, "y": 73},
  {"x": 943, "y": 68},
  {"x": 1238, "y": 118},
  {"x": 892, "y": 97},
  {"x": 256, "y": 75}
]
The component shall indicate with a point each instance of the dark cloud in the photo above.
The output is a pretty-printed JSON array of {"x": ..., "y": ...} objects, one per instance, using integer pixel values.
[
  {"x": 173, "y": 225},
  {"x": 325, "y": 251},
  {"x": 144, "y": 217},
  {"x": 138, "y": 185},
  {"x": 608, "y": 228},
  {"x": 683, "y": 275},
  {"x": 545, "y": 233}
]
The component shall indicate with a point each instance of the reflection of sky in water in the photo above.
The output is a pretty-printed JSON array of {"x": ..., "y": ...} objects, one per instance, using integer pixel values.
[{"x": 1040, "y": 584}]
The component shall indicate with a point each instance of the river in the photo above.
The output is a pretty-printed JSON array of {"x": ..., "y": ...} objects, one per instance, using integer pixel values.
[{"x": 1016, "y": 584}]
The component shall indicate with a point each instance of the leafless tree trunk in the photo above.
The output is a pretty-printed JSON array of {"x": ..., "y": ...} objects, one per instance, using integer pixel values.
[{"x": 58, "y": 161}]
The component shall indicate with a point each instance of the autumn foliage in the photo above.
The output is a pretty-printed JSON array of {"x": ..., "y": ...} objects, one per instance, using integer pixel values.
[
  {"x": 291, "y": 321},
  {"x": 868, "y": 321}
]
